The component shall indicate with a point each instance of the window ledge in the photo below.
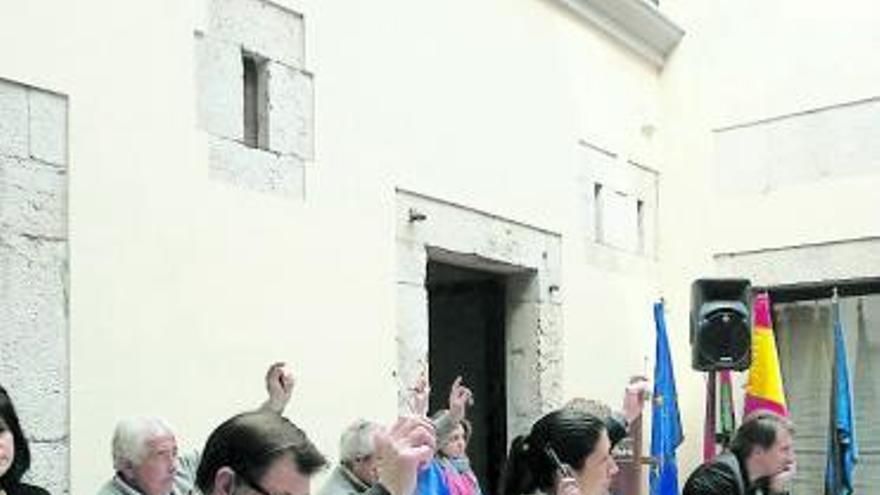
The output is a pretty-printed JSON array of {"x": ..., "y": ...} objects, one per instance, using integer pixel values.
[{"x": 637, "y": 24}]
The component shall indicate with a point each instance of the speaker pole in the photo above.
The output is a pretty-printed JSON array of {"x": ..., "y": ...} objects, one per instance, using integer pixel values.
[{"x": 709, "y": 443}]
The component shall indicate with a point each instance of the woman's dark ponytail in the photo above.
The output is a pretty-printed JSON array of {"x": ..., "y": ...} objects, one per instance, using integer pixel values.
[
  {"x": 518, "y": 477},
  {"x": 563, "y": 436}
]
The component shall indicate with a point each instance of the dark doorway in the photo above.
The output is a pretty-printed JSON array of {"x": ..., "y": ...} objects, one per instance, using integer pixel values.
[{"x": 466, "y": 337}]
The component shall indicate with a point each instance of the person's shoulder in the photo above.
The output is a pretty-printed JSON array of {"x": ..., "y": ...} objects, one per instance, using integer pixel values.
[
  {"x": 711, "y": 478},
  {"x": 377, "y": 489},
  {"x": 111, "y": 487},
  {"x": 337, "y": 484},
  {"x": 26, "y": 489}
]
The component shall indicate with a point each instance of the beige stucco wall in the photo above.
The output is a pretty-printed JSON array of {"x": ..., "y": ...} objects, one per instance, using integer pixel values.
[
  {"x": 742, "y": 63},
  {"x": 184, "y": 288},
  {"x": 801, "y": 56}
]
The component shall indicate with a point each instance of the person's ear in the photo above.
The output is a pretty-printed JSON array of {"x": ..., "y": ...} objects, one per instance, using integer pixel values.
[
  {"x": 224, "y": 481},
  {"x": 128, "y": 470}
]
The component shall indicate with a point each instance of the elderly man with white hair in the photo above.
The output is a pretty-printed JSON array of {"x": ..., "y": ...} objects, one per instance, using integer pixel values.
[
  {"x": 358, "y": 467},
  {"x": 359, "y": 464},
  {"x": 145, "y": 455}
]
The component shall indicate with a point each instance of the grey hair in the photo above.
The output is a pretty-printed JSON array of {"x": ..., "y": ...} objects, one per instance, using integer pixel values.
[
  {"x": 357, "y": 440},
  {"x": 131, "y": 437}
]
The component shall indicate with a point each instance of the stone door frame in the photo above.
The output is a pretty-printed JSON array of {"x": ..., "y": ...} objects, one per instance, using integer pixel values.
[{"x": 529, "y": 257}]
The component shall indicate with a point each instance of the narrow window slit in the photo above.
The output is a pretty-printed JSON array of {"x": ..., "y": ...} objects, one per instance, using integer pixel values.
[{"x": 256, "y": 111}]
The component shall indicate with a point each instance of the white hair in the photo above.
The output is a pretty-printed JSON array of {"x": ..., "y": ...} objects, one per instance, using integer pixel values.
[
  {"x": 131, "y": 437},
  {"x": 357, "y": 440}
]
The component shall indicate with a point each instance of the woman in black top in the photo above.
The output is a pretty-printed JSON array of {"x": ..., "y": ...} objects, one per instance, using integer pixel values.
[
  {"x": 15, "y": 456},
  {"x": 567, "y": 452}
]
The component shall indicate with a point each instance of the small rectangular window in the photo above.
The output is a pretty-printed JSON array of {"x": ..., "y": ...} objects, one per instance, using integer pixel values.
[
  {"x": 597, "y": 211},
  {"x": 256, "y": 111},
  {"x": 617, "y": 219},
  {"x": 640, "y": 225}
]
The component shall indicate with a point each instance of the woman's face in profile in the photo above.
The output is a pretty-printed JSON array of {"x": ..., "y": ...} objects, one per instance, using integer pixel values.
[
  {"x": 594, "y": 478},
  {"x": 7, "y": 447}
]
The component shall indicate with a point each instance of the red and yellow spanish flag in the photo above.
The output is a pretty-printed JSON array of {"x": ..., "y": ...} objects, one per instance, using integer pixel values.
[{"x": 764, "y": 390}]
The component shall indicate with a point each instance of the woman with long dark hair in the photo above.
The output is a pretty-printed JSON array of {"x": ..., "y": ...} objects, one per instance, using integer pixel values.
[
  {"x": 567, "y": 452},
  {"x": 15, "y": 456}
]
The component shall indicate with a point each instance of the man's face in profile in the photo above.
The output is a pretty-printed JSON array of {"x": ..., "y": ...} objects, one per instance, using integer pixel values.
[{"x": 778, "y": 457}]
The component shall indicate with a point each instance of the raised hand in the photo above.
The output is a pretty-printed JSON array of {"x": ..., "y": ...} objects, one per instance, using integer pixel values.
[
  {"x": 460, "y": 397},
  {"x": 420, "y": 395},
  {"x": 279, "y": 386},
  {"x": 402, "y": 449},
  {"x": 567, "y": 486},
  {"x": 634, "y": 397},
  {"x": 781, "y": 482}
]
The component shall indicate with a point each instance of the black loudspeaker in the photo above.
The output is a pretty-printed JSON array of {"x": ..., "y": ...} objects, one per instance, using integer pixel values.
[{"x": 721, "y": 324}]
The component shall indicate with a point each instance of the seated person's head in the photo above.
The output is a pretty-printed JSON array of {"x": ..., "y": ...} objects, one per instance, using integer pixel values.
[
  {"x": 258, "y": 453},
  {"x": 577, "y": 439},
  {"x": 15, "y": 456},
  {"x": 357, "y": 450},
  {"x": 455, "y": 446},
  {"x": 764, "y": 442},
  {"x": 145, "y": 454}
]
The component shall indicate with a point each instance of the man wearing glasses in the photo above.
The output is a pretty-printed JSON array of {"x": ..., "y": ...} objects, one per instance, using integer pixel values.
[{"x": 259, "y": 453}]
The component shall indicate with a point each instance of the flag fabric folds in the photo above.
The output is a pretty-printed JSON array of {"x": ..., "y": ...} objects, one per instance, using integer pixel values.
[
  {"x": 764, "y": 390},
  {"x": 842, "y": 446},
  {"x": 666, "y": 433}
]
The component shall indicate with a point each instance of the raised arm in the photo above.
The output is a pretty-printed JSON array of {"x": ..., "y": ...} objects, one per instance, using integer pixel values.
[
  {"x": 634, "y": 398},
  {"x": 279, "y": 386},
  {"x": 460, "y": 397}
]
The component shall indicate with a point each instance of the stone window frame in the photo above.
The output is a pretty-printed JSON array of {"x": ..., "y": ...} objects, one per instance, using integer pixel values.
[
  {"x": 606, "y": 171},
  {"x": 275, "y": 33}
]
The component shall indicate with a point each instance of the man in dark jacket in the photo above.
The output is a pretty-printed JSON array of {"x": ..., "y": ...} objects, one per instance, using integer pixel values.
[{"x": 762, "y": 450}]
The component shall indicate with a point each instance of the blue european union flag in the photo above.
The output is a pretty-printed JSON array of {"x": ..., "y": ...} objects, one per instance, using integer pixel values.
[
  {"x": 666, "y": 433},
  {"x": 842, "y": 446}
]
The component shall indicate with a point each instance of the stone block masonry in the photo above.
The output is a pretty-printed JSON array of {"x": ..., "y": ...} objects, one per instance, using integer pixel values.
[
  {"x": 34, "y": 365},
  {"x": 260, "y": 26},
  {"x": 272, "y": 38}
]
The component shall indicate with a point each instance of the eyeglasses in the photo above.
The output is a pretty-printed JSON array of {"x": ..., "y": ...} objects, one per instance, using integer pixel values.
[{"x": 253, "y": 485}]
